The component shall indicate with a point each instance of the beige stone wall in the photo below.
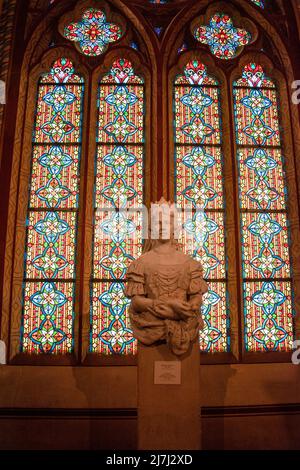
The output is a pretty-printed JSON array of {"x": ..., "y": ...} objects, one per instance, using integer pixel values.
[
  {"x": 116, "y": 387},
  {"x": 244, "y": 406}
]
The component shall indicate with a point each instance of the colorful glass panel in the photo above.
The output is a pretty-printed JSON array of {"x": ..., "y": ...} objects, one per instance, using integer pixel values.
[
  {"x": 111, "y": 333},
  {"x": 256, "y": 118},
  {"x": 118, "y": 186},
  {"x": 214, "y": 335},
  {"x": 93, "y": 32},
  {"x": 182, "y": 48},
  {"x": 259, "y": 3},
  {"x": 48, "y": 316},
  {"x": 158, "y": 30},
  {"x": 199, "y": 192},
  {"x": 223, "y": 39},
  {"x": 268, "y": 316}
]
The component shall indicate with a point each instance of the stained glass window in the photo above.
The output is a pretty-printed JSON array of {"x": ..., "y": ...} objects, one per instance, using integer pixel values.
[
  {"x": 48, "y": 317},
  {"x": 259, "y": 3},
  {"x": 268, "y": 315},
  {"x": 158, "y": 30},
  {"x": 93, "y": 32},
  {"x": 223, "y": 39},
  {"x": 199, "y": 191},
  {"x": 182, "y": 48},
  {"x": 119, "y": 184}
]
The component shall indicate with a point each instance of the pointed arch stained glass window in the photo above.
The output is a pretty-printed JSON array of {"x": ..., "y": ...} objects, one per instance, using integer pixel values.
[
  {"x": 48, "y": 316},
  {"x": 198, "y": 163},
  {"x": 119, "y": 184},
  {"x": 268, "y": 316}
]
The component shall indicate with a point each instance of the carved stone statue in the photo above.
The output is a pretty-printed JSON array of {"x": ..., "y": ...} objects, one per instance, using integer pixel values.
[{"x": 165, "y": 287}]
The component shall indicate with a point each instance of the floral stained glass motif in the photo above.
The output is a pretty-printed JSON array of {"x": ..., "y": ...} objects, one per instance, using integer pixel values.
[
  {"x": 223, "y": 39},
  {"x": 199, "y": 192},
  {"x": 48, "y": 317},
  {"x": 268, "y": 315},
  {"x": 93, "y": 32},
  {"x": 118, "y": 187}
]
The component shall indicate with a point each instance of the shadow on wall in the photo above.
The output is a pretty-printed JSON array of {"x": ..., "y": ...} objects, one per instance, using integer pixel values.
[
  {"x": 111, "y": 426},
  {"x": 213, "y": 418},
  {"x": 267, "y": 422}
]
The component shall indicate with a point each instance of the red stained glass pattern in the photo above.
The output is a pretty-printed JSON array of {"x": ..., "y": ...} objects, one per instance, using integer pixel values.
[
  {"x": 48, "y": 318},
  {"x": 118, "y": 186},
  {"x": 222, "y": 37},
  {"x": 93, "y": 32},
  {"x": 214, "y": 336},
  {"x": 110, "y": 321},
  {"x": 199, "y": 192},
  {"x": 268, "y": 316}
]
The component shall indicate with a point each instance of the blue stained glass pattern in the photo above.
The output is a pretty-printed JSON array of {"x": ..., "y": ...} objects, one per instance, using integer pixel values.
[
  {"x": 222, "y": 37},
  {"x": 48, "y": 310},
  {"x": 93, "y": 32},
  {"x": 264, "y": 226},
  {"x": 199, "y": 188},
  {"x": 119, "y": 185}
]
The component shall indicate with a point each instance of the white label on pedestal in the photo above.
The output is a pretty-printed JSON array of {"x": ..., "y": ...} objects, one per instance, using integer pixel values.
[{"x": 167, "y": 372}]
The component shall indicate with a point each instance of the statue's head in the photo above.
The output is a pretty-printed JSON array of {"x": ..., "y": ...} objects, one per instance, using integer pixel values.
[{"x": 162, "y": 224}]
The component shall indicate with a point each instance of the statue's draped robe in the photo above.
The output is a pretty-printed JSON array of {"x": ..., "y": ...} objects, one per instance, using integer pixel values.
[{"x": 150, "y": 277}]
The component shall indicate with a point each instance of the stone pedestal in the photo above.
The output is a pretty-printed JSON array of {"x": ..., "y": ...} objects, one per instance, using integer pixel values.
[{"x": 168, "y": 413}]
